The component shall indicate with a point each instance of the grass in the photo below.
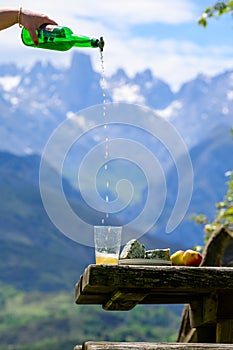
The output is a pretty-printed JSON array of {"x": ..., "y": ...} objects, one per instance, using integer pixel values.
[{"x": 37, "y": 320}]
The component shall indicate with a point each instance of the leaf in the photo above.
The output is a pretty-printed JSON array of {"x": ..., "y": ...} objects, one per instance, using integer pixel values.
[{"x": 219, "y": 9}]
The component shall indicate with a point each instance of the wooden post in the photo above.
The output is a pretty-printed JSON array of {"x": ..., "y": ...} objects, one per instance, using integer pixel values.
[
  {"x": 203, "y": 317},
  {"x": 224, "y": 331}
]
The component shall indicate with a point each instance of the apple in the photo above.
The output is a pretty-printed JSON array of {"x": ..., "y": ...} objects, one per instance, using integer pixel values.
[
  {"x": 192, "y": 258},
  {"x": 177, "y": 258}
]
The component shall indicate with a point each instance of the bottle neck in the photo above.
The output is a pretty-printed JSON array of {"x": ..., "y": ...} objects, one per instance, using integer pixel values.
[{"x": 84, "y": 41}]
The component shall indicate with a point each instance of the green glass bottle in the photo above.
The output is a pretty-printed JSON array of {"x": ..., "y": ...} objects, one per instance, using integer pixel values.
[{"x": 59, "y": 38}]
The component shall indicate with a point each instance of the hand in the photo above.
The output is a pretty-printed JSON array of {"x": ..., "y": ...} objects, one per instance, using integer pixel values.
[{"x": 32, "y": 21}]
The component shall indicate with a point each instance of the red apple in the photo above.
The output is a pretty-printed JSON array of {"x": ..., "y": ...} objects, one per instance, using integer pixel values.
[
  {"x": 177, "y": 258},
  {"x": 192, "y": 258}
]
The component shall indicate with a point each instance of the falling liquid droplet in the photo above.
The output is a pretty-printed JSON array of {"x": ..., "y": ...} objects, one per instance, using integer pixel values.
[{"x": 105, "y": 122}]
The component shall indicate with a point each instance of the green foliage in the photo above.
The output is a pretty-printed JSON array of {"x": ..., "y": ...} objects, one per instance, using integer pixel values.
[
  {"x": 218, "y": 9},
  {"x": 38, "y": 321},
  {"x": 224, "y": 212}
]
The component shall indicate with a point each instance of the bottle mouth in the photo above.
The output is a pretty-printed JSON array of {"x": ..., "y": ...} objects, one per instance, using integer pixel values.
[{"x": 101, "y": 44}]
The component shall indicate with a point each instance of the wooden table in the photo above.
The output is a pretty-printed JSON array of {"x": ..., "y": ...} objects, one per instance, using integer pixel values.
[{"x": 208, "y": 291}]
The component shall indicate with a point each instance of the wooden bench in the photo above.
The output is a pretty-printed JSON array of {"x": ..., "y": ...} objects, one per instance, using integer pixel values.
[
  {"x": 90, "y": 345},
  {"x": 218, "y": 252},
  {"x": 207, "y": 322}
]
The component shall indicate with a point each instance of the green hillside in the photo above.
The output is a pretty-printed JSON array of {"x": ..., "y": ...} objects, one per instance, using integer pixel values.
[
  {"x": 36, "y": 255},
  {"x": 39, "y": 321},
  {"x": 38, "y": 271}
]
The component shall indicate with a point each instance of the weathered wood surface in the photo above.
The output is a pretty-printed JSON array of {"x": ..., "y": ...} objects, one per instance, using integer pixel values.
[
  {"x": 213, "y": 316},
  {"x": 152, "y": 346},
  {"x": 123, "y": 287},
  {"x": 219, "y": 248}
]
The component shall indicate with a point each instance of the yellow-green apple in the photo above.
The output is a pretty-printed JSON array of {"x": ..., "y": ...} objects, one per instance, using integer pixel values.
[
  {"x": 177, "y": 258},
  {"x": 192, "y": 258}
]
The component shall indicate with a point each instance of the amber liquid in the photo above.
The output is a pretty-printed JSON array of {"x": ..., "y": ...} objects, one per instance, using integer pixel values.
[{"x": 106, "y": 259}]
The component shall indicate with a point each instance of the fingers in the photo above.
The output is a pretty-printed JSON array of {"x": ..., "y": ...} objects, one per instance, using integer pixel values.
[
  {"x": 46, "y": 20},
  {"x": 37, "y": 24},
  {"x": 33, "y": 36},
  {"x": 50, "y": 21},
  {"x": 32, "y": 21}
]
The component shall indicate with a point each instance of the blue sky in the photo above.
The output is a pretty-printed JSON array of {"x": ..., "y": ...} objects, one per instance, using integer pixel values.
[{"x": 161, "y": 35}]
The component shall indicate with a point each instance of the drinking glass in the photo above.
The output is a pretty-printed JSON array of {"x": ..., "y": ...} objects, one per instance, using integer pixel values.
[{"x": 107, "y": 244}]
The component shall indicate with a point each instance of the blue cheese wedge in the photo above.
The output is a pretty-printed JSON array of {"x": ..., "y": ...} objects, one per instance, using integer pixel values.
[
  {"x": 163, "y": 254},
  {"x": 133, "y": 250}
]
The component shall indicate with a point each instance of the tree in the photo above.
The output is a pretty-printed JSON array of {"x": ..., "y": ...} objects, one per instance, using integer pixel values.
[
  {"x": 224, "y": 212},
  {"x": 218, "y": 9}
]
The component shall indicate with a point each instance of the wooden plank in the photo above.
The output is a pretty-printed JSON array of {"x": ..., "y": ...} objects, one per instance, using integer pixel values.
[
  {"x": 123, "y": 300},
  {"x": 225, "y": 305},
  {"x": 204, "y": 310},
  {"x": 224, "y": 331},
  {"x": 153, "y": 346},
  {"x": 169, "y": 297},
  {"x": 169, "y": 277},
  {"x": 78, "y": 287},
  {"x": 203, "y": 317},
  {"x": 170, "y": 282},
  {"x": 205, "y": 334}
]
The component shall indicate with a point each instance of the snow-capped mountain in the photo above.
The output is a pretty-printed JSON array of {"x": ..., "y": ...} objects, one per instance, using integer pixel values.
[{"x": 35, "y": 101}]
